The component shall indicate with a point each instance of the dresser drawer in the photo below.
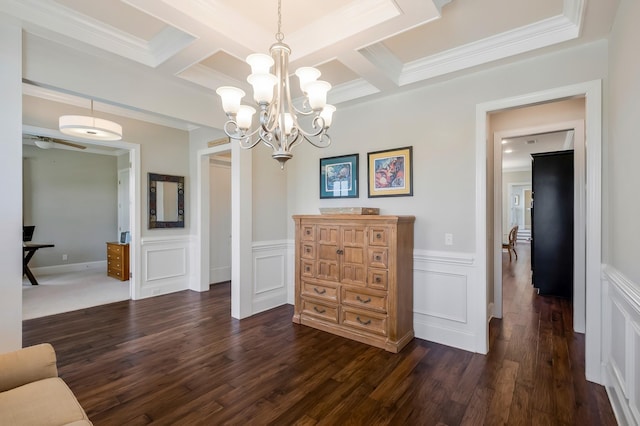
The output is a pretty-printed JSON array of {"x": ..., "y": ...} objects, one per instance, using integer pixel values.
[
  {"x": 359, "y": 299},
  {"x": 308, "y": 268},
  {"x": 319, "y": 291},
  {"x": 379, "y": 236},
  {"x": 308, "y": 250},
  {"x": 114, "y": 264},
  {"x": 378, "y": 279},
  {"x": 308, "y": 233},
  {"x": 116, "y": 273},
  {"x": 378, "y": 257},
  {"x": 320, "y": 310},
  {"x": 115, "y": 249},
  {"x": 369, "y": 321}
]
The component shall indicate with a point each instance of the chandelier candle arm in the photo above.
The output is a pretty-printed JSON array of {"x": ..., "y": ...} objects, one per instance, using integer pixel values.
[{"x": 279, "y": 127}]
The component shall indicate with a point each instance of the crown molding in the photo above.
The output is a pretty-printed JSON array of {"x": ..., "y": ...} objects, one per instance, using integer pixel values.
[
  {"x": 540, "y": 34},
  {"x": 352, "y": 90},
  {"x": 37, "y": 14}
]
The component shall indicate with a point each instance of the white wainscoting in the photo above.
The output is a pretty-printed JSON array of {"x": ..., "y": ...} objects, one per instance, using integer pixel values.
[
  {"x": 442, "y": 298},
  {"x": 270, "y": 276},
  {"x": 165, "y": 265},
  {"x": 621, "y": 344}
]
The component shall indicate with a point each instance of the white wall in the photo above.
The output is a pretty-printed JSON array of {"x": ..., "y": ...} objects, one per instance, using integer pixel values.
[
  {"x": 71, "y": 198},
  {"x": 220, "y": 221},
  {"x": 439, "y": 122},
  {"x": 621, "y": 286},
  {"x": 11, "y": 173}
]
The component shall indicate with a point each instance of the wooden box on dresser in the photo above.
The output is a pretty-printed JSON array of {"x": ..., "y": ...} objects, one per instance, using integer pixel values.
[
  {"x": 354, "y": 277},
  {"x": 118, "y": 261}
]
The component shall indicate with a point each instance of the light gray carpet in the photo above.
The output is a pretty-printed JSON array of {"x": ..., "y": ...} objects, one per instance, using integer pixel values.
[{"x": 70, "y": 291}]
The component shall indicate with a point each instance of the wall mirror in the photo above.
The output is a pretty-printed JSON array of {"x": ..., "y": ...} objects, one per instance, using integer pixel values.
[{"x": 166, "y": 201}]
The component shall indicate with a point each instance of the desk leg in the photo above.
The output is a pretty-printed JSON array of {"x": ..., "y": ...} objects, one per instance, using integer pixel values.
[
  {"x": 28, "y": 273},
  {"x": 25, "y": 267}
]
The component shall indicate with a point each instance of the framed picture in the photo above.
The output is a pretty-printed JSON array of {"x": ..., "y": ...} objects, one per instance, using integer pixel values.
[
  {"x": 339, "y": 177},
  {"x": 390, "y": 173}
]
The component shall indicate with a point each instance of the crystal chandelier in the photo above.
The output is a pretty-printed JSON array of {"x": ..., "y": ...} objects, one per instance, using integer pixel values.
[{"x": 279, "y": 127}]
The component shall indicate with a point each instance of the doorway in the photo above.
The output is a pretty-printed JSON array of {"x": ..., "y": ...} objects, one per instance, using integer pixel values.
[
  {"x": 220, "y": 218},
  {"x": 485, "y": 188},
  {"x": 241, "y": 226},
  {"x": 127, "y": 208}
]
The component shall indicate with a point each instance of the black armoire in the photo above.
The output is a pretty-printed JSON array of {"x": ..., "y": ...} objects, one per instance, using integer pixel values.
[{"x": 552, "y": 223}]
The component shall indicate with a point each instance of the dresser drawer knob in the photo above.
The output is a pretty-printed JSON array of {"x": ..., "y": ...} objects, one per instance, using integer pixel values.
[
  {"x": 378, "y": 279},
  {"x": 377, "y": 257},
  {"x": 362, "y": 300},
  {"x": 323, "y": 291},
  {"x": 308, "y": 232},
  {"x": 307, "y": 250},
  {"x": 378, "y": 236},
  {"x": 320, "y": 311},
  {"x": 307, "y": 269},
  {"x": 339, "y": 251},
  {"x": 367, "y": 322}
]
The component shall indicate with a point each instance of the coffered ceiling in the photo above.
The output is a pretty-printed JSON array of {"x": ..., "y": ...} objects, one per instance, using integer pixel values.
[{"x": 362, "y": 47}]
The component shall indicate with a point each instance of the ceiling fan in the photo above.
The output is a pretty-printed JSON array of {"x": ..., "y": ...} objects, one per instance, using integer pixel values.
[{"x": 46, "y": 142}]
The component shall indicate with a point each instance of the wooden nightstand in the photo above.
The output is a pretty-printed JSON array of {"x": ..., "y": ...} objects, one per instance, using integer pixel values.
[{"x": 118, "y": 261}]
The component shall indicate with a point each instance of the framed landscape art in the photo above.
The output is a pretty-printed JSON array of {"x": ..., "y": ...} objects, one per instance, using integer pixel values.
[
  {"x": 339, "y": 177},
  {"x": 390, "y": 173}
]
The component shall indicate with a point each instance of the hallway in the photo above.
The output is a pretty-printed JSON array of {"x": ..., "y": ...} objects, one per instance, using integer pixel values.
[{"x": 535, "y": 338}]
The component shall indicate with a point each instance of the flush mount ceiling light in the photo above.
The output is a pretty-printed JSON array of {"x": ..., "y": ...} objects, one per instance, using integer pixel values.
[
  {"x": 90, "y": 127},
  {"x": 279, "y": 127}
]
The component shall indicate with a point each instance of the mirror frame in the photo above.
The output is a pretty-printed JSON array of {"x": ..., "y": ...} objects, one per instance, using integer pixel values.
[{"x": 154, "y": 178}]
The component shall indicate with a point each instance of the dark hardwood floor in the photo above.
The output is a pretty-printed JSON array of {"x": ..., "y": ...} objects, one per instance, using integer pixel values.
[{"x": 180, "y": 359}]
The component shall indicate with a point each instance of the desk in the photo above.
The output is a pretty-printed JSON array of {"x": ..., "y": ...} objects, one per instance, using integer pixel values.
[{"x": 29, "y": 250}]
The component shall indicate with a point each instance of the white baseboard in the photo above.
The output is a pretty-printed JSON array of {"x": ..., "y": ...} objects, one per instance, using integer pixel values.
[
  {"x": 71, "y": 267},
  {"x": 219, "y": 274}
]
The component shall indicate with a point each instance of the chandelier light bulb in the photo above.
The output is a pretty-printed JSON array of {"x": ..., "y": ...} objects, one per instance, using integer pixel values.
[
  {"x": 327, "y": 115},
  {"x": 231, "y": 97},
  {"x": 306, "y": 75},
  {"x": 317, "y": 93},
  {"x": 262, "y": 87},
  {"x": 245, "y": 117},
  {"x": 260, "y": 63}
]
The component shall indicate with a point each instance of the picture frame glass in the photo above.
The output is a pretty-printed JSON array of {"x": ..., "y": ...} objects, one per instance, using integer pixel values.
[{"x": 339, "y": 176}]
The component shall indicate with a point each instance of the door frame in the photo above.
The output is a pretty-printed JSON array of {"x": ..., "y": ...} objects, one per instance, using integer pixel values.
[
  {"x": 241, "y": 226},
  {"x": 592, "y": 91}
]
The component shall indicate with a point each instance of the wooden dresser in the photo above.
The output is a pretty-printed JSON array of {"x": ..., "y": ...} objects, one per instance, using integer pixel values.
[
  {"x": 354, "y": 277},
  {"x": 118, "y": 261}
]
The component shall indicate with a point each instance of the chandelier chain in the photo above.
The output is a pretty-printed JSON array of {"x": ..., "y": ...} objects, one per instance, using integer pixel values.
[{"x": 279, "y": 35}]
